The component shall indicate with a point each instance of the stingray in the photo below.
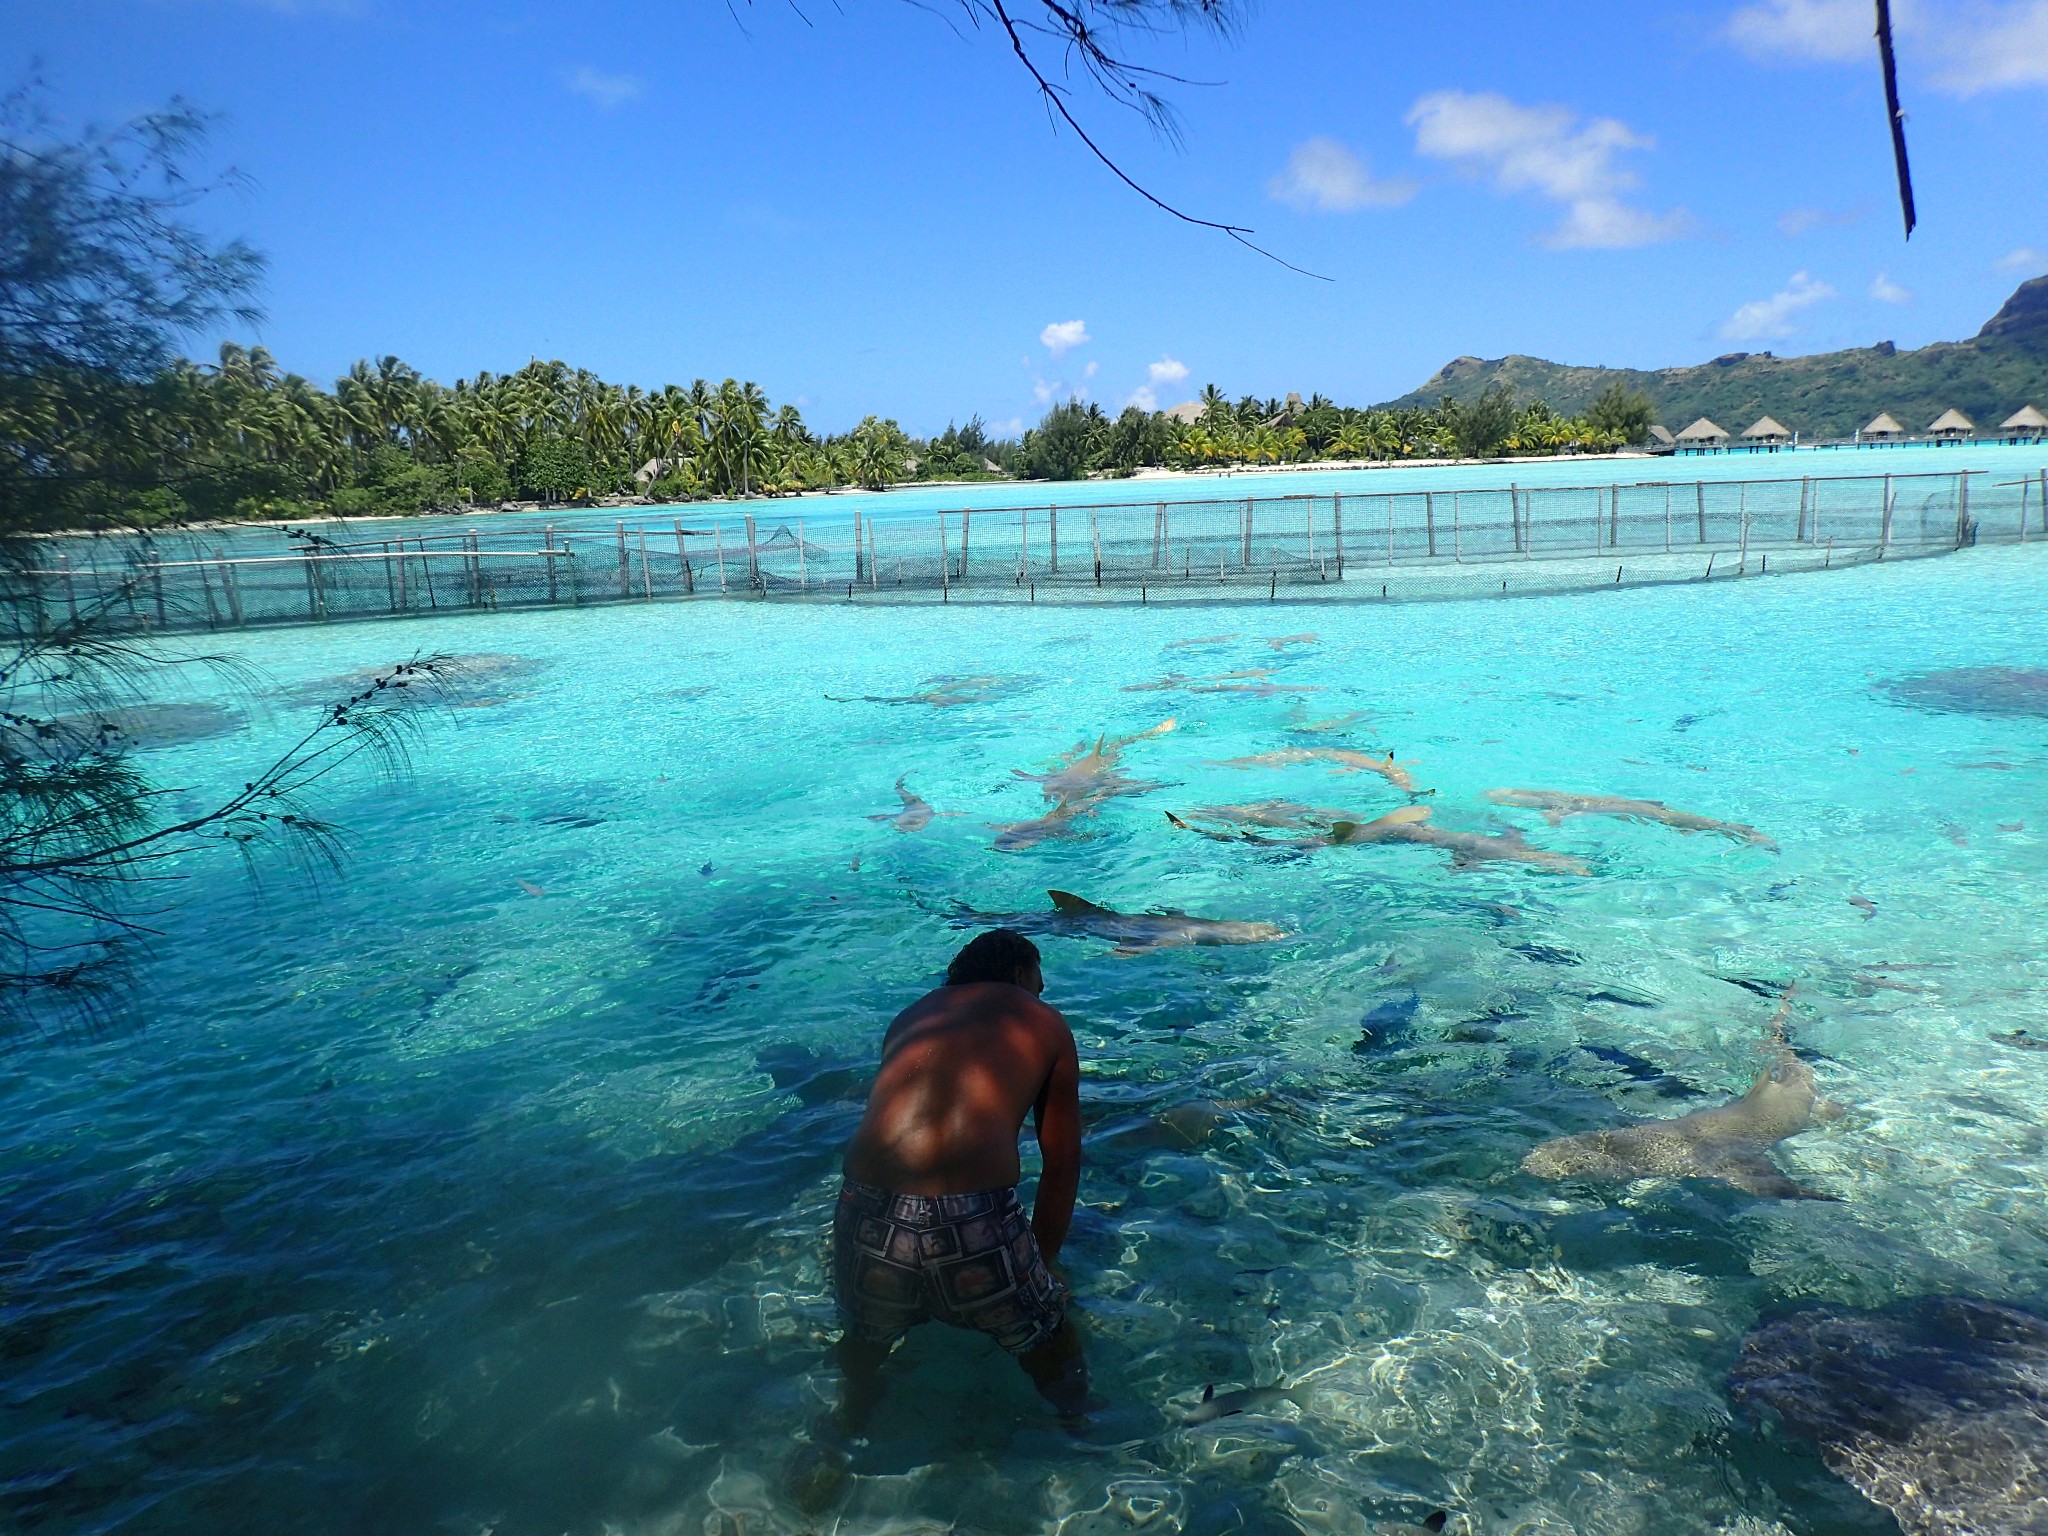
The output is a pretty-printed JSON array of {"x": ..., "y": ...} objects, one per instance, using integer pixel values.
[
  {"x": 476, "y": 680},
  {"x": 1935, "y": 1408},
  {"x": 2020, "y": 691},
  {"x": 139, "y": 726},
  {"x": 1729, "y": 1143}
]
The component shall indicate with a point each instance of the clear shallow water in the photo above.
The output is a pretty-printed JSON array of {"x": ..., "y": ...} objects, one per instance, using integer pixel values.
[
  {"x": 1999, "y": 463},
  {"x": 421, "y": 1203}
]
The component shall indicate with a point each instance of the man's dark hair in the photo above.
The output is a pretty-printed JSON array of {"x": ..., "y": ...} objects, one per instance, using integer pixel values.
[{"x": 1001, "y": 954}]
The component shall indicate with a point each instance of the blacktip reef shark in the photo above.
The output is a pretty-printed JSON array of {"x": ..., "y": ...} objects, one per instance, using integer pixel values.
[
  {"x": 1214, "y": 1405},
  {"x": 917, "y": 812},
  {"x": 1135, "y": 933},
  {"x": 1411, "y": 824},
  {"x": 1555, "y": 805},
  {"x": 946, "y": 692},
  {"x": 1729, "y": 1143},
  {"x": 1342, "y": 759},
  {"x": 1087, "y": 771}
]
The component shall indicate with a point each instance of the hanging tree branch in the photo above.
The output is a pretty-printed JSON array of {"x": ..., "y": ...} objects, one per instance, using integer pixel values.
[{"x": 1893, "y": 112}]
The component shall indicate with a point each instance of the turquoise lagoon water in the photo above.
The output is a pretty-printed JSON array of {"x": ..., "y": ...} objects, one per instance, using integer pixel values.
[
  {"x": 421, "y": 1203},
  {"x": 1997, "y": 463}
]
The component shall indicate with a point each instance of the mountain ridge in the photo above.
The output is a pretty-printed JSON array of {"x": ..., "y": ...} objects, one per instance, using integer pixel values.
[{"x": 1824, "y": 394}]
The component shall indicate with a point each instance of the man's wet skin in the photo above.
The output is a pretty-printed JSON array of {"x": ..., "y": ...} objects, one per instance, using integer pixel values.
[{"x": 961, "y": 1069}]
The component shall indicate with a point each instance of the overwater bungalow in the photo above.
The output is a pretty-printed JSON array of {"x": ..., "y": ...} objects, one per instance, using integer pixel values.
[
  {"x": 1883, "y": 428},
  {"x": 1703, "y": 435},
  {"x": 1951, "y": 426},
  {"x": 1661, "y": 436},
  {"x": 1769, "y": 433},
  {"x": 2024, "y": 425}
]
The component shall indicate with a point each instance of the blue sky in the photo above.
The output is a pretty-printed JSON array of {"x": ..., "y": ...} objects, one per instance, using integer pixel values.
[{"x": 863, "y": 208}]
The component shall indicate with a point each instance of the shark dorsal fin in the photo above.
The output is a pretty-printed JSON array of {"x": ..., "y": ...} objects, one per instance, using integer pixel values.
[
  {"x": 1072, "y": 905},
  {"x": 1437, "y": 1521},
  {"x": 1209, "y": 1393}
]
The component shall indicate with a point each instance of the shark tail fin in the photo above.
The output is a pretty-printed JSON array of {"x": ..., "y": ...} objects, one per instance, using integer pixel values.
[
  {"x": 1209, "y": 1393},
  {"x": 1072, "y": 905}
]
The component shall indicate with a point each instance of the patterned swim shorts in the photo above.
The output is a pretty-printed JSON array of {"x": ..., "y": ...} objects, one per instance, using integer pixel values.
[{"x": 967, "y": 1260}]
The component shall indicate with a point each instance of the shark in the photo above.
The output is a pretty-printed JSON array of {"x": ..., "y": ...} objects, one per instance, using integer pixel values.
[
  {"x": 916, "y": 814},
  {"x": 1214, "y": 1405},
  {"x": 1281, "y": 642},
  {"x": 1556, "y": 805},
  {"x": 1016, "y": 836},
  {"x": 1216, "y": 684},
  {"x": 1087, "y": 770},
  {"x": 947, "y": 692},
  {"x": 1266, "y": 813},
  {"x": 1134, "y": 933},
  {"x": 1343, "y": 759},
  {"x": 1411, "y": 824},
  {"x": 1728, "y": 1143}
]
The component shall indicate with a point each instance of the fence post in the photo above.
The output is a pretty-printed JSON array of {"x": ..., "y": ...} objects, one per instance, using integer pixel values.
[
  {"x": 1962, "y": 508},
  {"x": 1742, "y": 558},
  {"x": 717, "y": 543},
  {"x": 683, "y": 554},
  {"x": 1884, "y": 532},
  {"x": 426, "y": 575},
  {"x": 1052, "y": 514},
  {"x": 1095, "y": 541},
  {"x": 1667, "y": 519},
  {"x": 475, "y": 564},
  {"x": 646, "y": 579},
  {"x": 966, "y": 523},
  {"x": 1308, "y": 510},
  {"x": 945, "y": 554},
  {"x": 1392, "y": 502},
  {"x": 1805, "y": 486},
  {"x": 803, "y": 569},
  {"x": 547, "y": 542},
  {"x": 1337, "y": 516},
  {"x": 873, "y": 579},
  {"x": 1699, "y": 496},
  {"x": 1023, "y": 541},
  {"x": 229, "y": 584},
  {"x": 1514, "y": 518},
  {"x": 390, "y": 586},
  {"x": 205, "y": 586},
  {"x": 753, "y": 554},
  {"x": 1429, "y": 517},
  {"x": 312, "y": 591},
  {"x": 71, "y": 592},
  {"x": 1614, "y": 520},
  {"x": 1247, "y": 556},
  {"x": 1457, "y": 529},
  {"x": 1158, "y": 534}
]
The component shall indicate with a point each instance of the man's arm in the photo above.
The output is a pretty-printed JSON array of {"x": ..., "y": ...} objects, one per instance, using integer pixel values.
[{"x": 1057, "y": 1118}]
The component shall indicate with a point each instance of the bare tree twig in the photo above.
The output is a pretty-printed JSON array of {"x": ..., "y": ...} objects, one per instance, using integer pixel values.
[{"x": 1895, "y": 114}]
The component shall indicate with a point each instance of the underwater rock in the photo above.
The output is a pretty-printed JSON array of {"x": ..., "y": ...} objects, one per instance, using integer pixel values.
[
  {"x": 138, "y": 726},
  {"x": 1935, "y": 1408},
  {"x": 2019, "y": 691},
  {"x": 475, "y": 681}
]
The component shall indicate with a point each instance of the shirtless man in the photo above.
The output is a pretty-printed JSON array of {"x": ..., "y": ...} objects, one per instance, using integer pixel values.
[{"x": 929, "y": 1224}]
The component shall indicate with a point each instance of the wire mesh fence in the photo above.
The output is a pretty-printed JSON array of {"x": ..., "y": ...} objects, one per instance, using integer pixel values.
[{"x": 1356, "y": 545}]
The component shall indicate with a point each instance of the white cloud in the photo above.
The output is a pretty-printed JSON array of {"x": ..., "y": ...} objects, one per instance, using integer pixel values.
[
  {"x": 1090, "y": 371},
  {"x": 1014, "y": 427},
  {"x": 2025, "y": 259},
  {"x": 1794, "y": 222},
  {"x": 1045, "y": 393},
  {"x": 1324, "y": 176},
  {"x": 1548, "y": 151},
  {"x": 1834, "y": 31},
  {"x": 1971, "y": 45},
  {"x": 1168, "y": 370},
  {"x": 1763, "y": 319},
  {"x": 606, "y": 90},
  {"x": 1062, "y": 336},
  {"x": 1997, "y": 47},
  {"x": 1885, "y": 291}
]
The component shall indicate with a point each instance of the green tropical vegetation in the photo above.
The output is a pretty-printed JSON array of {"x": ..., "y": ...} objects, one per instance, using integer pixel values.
[{"x": 1828, "y": 394}]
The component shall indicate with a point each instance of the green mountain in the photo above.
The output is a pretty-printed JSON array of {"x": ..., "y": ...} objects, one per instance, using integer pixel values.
[{"x": 1830, "y": 394}]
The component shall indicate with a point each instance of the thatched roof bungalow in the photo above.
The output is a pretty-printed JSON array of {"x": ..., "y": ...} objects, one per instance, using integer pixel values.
[
  {"x": 1883, "y": 428},
  {"x": 1768, "y": 432},
  {"x": 1951, "y": 426},
  {"x": 1702, "y": 435},
  {"x": 2024, "y": 423}
]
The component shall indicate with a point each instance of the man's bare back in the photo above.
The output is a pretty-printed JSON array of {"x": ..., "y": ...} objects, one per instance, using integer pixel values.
[{"x": 929, "y": 1225}]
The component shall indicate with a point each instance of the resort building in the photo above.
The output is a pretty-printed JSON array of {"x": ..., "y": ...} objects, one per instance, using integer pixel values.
[
  {"x": 2024, "y": 425},
  {"x": 1187, "y": 413},
  {"x": 1662, "y": 437},
  {"x": 1883, "y": 428},
  {"x": 1768, "y": 433},
  {"x": 1702, "y": 435},
  {"x": 1951, "y": 426}
]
